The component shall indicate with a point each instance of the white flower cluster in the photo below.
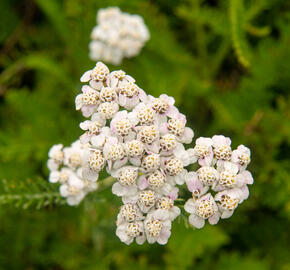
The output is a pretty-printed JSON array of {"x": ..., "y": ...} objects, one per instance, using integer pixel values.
[
  {"x": 65, "y": 165},
  {"x": 224, "y": 172},
  {"x": 139, "y": 140},
  {"x": 117, "y": 35}
]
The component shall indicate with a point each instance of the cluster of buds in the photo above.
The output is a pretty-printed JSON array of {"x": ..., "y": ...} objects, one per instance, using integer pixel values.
[
  {"x": 66, "y": 168},
  {"x": 139, "y": 140},
  {"x": 117, "y": 35},
  {"x": 222, "y": 172}
]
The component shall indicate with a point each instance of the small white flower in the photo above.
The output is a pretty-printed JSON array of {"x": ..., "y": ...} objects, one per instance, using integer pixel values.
[
  {"x": 73, "y": 155},
  {"x": 108, "y": 94},
  {"x": 129, "y": 213},
  {"x": 146, "y": 200},
  {"x": 194, "y": 185},
  {"x": 119, "y": 77},
  {"x": 222, "y": 147},
  {"x": 108, "y": 109},
  {"x": 88, "y": 101},
  {"x": 168, "y": 142},
  {"x": 229, "y": 201},
  {"x": 56, "y": 157},
  {"x": 135, "y": 150},
  {"x": 127, "y": 232},
  {"x": 114, "y": 153},
  {"x": 130, "y": 95},
  {"x": 202, "y": 209},
  {"x": 208, "y": 176},
  {"x": 156, "y": 180},
  {"x": 203, "y": 151},
  {"x": 176, "y": 126},
  {"x": 157, "y": 227},
  {"x": 173, "y": 167},
  {"x": 151, "y": 162},
  {"x": 149, "y": 135},
  {"x": 97, "y": 76},
  {"x": 121, "y": 125},
  {"x": 242, "y": 156},
  {"x": 126, "y": 185},
  {"x": 92, "y": 127},
  {"x": 145, "y": 115},
  {"x": 73, "y": 190},
  {"x": 60, "y": 176},
  {"x": 228, "y": 177},
  {"x": 167, "y": 204},
  {"x": 94, "y": 162}
]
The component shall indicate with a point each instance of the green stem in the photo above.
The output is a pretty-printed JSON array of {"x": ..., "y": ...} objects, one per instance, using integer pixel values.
[{"x": 105, "y": 183}]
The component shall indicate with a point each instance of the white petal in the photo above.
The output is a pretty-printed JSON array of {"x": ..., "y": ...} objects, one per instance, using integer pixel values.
[
  {"x": 190, "y": 206},
  {"x": 86, "y": 76},
  {"x": 163, "y": 237},
  {"x": 227, "y": 214},
  {"x": 119, "y": 190},
  {"x": 54, "y": 177},
  {"x": 214, "y": 219},
  {"x": 196, "y": 221},
  {"x": 90, "y": 175}
]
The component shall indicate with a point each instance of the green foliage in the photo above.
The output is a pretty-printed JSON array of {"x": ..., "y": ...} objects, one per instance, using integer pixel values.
[
  {"x": 227, "y": 65},
  {"x": 29, "y": 193}
]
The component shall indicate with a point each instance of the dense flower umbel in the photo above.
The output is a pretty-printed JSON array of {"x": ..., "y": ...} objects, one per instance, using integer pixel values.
[
  {"x": 140, "y": 140},
  {"x": 222, "y": 171},
  {"x": 66, "y": 166},
  {"x": 117, "y": 35}
]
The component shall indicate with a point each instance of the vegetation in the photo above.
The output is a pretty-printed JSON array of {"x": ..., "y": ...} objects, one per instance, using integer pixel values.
[{"x": 227, "y": 65}]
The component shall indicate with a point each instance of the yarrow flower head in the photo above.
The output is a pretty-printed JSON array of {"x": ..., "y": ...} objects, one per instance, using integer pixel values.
[
  {"x": 222, "y": 172},
  {"x": 66, "y": 167},
  {"x": 117, "y": 35},
  {"x": 140, "y": 141}
]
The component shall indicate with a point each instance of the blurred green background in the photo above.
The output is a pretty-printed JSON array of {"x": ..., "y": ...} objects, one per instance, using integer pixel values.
[{"x": 227, "y": 65}]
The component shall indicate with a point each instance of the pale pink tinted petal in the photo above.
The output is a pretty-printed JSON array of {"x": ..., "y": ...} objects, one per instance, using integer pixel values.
[
  {"x": 142, "y": 95},
  {"x": 135, "y": 161},
  {"x": 196, "y": 221},
  {"x": 188, "y": 135},
  {"x": 227, "y": 214},
  {"x": 122, "y": 100},
  {"x": 119, "y": 190},
  {"x": 163, "y": 128},
  {"x": 86, "y": 76},
  {"x": 140, "y": 239},
  {"x": 245, "y": 191},
  {"x": 90, "y": 175},
  {"x": 78, "y": 101},
  {"x": 142, "y": 182},
  {"x": 161, "y": 214},
  {"x": 85, "y": 138},
  {"x": 85, "y": 125},
  {"x": 163, "y": 237},
  {"x": 154, "y": 147},
  {"x": 96, "y": 85},
  {"x": 249, "y": 177},
  {"x": 88, "y": 110},
  {"x": 214, "y": 219},
  {"x": 189, "y": 206},
  {"x": 120, "y": 163},
  {"x": 131, "y": 103}
]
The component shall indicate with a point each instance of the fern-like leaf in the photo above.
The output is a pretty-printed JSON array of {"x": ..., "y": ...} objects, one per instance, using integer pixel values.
[
  {"x": 29, "y": 193},
  {"x": 237, "y": 20}
]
